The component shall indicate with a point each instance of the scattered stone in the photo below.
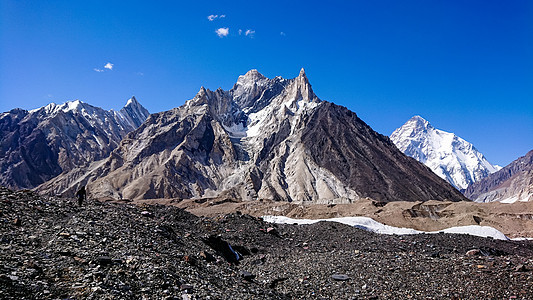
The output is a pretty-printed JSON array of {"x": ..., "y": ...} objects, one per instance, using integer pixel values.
[
  {"x": 190, "y": 259},
  {"x": 17, "y": 222},
  {"x": 104, "y": 260},
  {"x": 272, "y": 231},
  {"x": 520, "y": 268},
  {"x": 473, "y": 252},
  {"x": 340, "y": 277},
  {"x": 114, "y": 252},
  {"x": 207, "y": 256},
  {"x": 247, "y": 275},
  {"x": 146, "y": 213},
  {"x": 223, "y": 247}
]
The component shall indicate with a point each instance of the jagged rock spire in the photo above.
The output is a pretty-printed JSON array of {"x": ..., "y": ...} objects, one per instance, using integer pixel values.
[{"x": 303, "y": 87}]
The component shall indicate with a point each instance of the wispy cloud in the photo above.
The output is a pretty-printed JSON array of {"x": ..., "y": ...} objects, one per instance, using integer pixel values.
[
  {"x": 214, "y": 17},
  {"x": 249, "y": 33},
  {"x": 282, "y": 33},
  {"x": 107, "y": 66},
  {"x": 222, "y": 32},
  {"x": 139, "y": 73},
  {"x": 240, "y": 31}
]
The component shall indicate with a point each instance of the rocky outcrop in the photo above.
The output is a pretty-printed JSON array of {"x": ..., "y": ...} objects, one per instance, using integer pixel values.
[
  {"x": 512, "y": 183},
  {"x": 263, "y": 139},
  {"x": 40, "y": 144}
]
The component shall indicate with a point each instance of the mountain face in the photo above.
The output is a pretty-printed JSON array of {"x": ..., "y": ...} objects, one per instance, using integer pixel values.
[
  {"x": 263, "y": 139},
  {"x": 449, "y": 156},
  {"x": 510, "y": 184},
  {"x": 38, "y": 145}
]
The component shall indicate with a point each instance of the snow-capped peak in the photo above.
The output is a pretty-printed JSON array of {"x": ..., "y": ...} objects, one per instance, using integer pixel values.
[
  {"x": 449, "y": 156},
  {"x": 132, "y": 101},
  {"x": 418, "y": 122},
  {"x": 134, "y": 113}
]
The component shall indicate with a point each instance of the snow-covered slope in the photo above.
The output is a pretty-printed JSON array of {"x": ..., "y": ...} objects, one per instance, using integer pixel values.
[
  {"x": 39, "y": 144},
  {"x": 448, "y": 155}
]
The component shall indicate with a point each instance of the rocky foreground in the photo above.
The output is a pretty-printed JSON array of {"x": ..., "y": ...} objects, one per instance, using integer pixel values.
[{"x": 51, "y": 249}]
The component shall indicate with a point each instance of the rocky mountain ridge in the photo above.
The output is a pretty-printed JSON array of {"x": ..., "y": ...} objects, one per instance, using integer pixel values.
[
  {"x": 512, "y": 183},
  {"x": 263, "y": 139},
  {"x": 449, "y": 156},
  {"x": 39, "y": 144}
]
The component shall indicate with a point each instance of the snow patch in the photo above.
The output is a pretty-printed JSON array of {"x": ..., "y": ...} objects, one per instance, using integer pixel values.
[{"x": 377, "y": 227}]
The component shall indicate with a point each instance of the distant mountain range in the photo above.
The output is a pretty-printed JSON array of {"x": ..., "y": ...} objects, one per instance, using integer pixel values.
[
  {"x": 38, "y": 145},
  {"x": 512, "y": 183},
  {"x": 263, "y": 139},
  {"x": 449, "y": 156}
]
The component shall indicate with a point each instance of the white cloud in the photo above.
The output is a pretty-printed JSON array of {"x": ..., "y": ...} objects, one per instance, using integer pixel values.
[
  {"x": 282, "y": 33},
  {"x": 139, "y": 73},
  {"x": 240, "y": 31},
  {"x": 222, "y": 32},
  {"x": 109, "y": 66},
  {"x": 98, "y": 70},
  {"x": 249, "y": 32},
  {"x": 213, "y": 17}
]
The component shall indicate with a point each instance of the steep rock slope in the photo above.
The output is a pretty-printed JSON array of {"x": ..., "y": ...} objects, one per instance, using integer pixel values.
[
  {"x": 263, "y": 139},
  {"x": 449, "y": 156},
  {"x": 512, "y": 183},
  {"x": 38, "y": 145}
]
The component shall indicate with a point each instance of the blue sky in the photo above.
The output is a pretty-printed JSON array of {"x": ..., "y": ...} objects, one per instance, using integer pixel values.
[{"x": 465, "y": 66}]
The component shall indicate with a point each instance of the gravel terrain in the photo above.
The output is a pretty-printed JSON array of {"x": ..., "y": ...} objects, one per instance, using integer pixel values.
[{"x": 52, "y": 249}]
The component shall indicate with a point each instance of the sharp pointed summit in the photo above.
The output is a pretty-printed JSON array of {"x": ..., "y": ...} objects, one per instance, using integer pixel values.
[
  {"x": 302, "y": 73},
  {"x": 134, "y": 112}
]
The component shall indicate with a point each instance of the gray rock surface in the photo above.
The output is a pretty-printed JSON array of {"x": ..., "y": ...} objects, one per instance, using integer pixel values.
[
  {"x": 37, "y": 145},
  {"x": 114, "y": 251},
  {"x": 512, "y": 183},
  {"x": 263, "y": 139}
]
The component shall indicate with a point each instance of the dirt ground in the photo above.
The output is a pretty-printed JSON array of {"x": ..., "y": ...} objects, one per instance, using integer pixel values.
[{"x": 514, "y": 220}]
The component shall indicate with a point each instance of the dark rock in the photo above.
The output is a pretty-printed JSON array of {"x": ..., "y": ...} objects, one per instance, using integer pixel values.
[
  {"x": 223, "y": 247},
  {"x": 275, "y": 282},
  {"x": 190, "y": 259},
  {"x": 17, "y": 222},
  {"x": 247, "y": 275},
  {"x": 340, "y": 277},
  {"x": 207, "y": 256},
  {"x": 104, "y": 260}
]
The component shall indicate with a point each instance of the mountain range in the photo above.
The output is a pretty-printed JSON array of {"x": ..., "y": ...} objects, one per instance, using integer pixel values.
[
  {"x": 512, "y": 183},
  {"x": 40, "y": 144},
  {"x": 263, "y": 139},
  {"x": 449, "y": 156}
]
